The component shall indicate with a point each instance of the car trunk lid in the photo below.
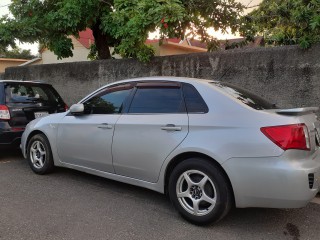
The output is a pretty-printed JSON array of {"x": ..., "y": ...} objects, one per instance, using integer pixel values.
[
  {"x": 308, "y": 117},
  {"x": 297, "y": 111}
]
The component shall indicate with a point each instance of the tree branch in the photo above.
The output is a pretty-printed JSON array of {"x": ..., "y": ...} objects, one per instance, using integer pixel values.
[{"x": 106, "y": 2}]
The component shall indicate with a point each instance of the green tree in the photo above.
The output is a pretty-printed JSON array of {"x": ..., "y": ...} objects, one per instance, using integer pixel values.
[
  {"x": 122, "y": 24},
  {"x": 16, "y": 53},
  {"x": 285, "y": 22}
]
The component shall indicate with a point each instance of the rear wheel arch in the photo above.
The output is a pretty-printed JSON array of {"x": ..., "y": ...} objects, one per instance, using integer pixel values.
[{"x": 184, "y": 156}]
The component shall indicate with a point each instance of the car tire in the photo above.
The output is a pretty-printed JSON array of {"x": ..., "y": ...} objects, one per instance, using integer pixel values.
[
  {"x": 39, "y": 155},
  {"x": 200, "y": 191}
]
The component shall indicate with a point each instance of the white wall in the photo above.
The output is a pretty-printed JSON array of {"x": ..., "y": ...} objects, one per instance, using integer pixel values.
[{"x": 80, "y": 53}]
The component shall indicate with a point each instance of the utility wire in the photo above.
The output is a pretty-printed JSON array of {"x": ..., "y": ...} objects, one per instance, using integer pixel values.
[
  {"x": 253, "y": 6},
  {"x": 249, "y": 3}
]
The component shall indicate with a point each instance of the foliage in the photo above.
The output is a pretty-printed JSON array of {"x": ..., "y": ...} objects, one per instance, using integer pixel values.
[
  {"x": 93, "y": 54},
  {"x": 122, "y": 24},
  {"x": 134, "y": 19},
  {"x": 285, "y": 22},
  {"x": 16, "y": 53}
]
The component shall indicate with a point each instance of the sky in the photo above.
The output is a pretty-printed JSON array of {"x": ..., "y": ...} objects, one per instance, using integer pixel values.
[
  {"x": 34, "y": 47},
  {"x": 4, "y": 10}
]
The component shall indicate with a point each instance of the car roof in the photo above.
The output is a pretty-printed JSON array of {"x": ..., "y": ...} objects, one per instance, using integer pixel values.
[
  {"x": 21, "y": 81},
  {"x": 166, "y": 78},
  {"x": 154, "y": 78}
]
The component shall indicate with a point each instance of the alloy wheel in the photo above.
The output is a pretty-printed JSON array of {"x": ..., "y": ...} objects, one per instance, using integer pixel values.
[
  {"x": 196, "y": 192},
  {"x": 37, "y": 154}
]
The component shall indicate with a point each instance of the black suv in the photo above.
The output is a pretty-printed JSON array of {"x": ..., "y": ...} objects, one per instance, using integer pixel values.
[{"x": 20, "y": 103}]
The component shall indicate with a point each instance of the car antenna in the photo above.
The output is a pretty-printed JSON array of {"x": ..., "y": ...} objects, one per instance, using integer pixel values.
[{"x": 225, "y": 72}]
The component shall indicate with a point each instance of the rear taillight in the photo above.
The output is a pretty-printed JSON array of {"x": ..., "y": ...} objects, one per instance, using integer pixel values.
[
  {"x": 66, "y": 108},
  {"x": 17, "y": 129},
  {"x": 4, "y": 112},
  {"x": 293, "y": 136}
]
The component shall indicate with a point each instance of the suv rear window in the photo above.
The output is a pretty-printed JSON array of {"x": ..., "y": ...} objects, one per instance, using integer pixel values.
[
  {"x": 30, "y": 92},
  {"x": 245, "y": 96}
]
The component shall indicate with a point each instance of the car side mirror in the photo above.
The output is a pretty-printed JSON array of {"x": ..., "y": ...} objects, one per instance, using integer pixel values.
[{"x": 77, "y": 109}]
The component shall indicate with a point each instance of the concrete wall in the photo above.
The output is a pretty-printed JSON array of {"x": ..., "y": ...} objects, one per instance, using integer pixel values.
[{"x": 287, "y": 76}]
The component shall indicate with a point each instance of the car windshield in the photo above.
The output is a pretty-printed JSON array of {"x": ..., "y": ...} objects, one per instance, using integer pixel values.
[
  {"x": 30, "y": 92},
  {"x": 245, "y": 96}
]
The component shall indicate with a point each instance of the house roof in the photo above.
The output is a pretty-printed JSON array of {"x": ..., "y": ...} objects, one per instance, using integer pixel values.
[
  {"x": 31, "y": 61},
  {"x": 258, "y": 41},
  {"x": 197, "y": 43},
  {"x": 174, "y": 40},
  {"x": 86, "y": 38},
  {"x": 13, "y": 60},
  {"x": 186, "y": 47},
  {"x": 191, "y": 43}
]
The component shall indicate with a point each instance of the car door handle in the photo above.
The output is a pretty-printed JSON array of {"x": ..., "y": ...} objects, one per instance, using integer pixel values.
[
  {"x": 171, "y": 127},
  {"x": 105, "y": 126}
]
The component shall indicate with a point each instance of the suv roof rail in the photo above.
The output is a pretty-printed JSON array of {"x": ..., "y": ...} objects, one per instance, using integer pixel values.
[
  {"x": 24, "y": 80},
  {"x": 38, "y": 81}
]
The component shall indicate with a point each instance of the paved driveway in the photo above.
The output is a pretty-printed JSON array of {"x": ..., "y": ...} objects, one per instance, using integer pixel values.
[{"x": 72, "y": 205}]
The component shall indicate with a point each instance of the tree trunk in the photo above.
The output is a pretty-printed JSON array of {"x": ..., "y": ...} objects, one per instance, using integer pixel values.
[{"x": 101, "y": 41}]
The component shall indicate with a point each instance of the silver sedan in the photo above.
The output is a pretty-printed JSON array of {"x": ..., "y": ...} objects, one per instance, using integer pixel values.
[{"x": 209, "y": 145}]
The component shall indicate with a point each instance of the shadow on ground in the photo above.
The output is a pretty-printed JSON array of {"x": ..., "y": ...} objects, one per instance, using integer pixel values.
[{"x": 9, "y": 153}]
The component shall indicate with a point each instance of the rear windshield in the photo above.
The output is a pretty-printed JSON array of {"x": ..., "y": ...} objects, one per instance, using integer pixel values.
[
  {"x": 29, "y": 92},
  {"x": 245, "y": 96}
]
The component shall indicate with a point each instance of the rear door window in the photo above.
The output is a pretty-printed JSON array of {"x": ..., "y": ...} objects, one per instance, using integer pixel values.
[
  {"x": 158, "y": 98},
  {"x": 29, "y": 93}
]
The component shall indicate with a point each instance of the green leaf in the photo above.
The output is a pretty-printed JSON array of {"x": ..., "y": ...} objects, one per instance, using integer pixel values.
[{"x": 284, "y": 22}]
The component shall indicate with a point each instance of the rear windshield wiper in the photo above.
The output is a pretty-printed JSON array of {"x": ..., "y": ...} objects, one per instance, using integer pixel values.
[
  {"x": 33, "y": 99},
  {"x": 26, "y": 100}
]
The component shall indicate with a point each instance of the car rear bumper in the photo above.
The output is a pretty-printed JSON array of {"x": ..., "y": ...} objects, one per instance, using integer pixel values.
[
  {"x": 274, "y": 182},
  {"x": 10, "y": 137}
]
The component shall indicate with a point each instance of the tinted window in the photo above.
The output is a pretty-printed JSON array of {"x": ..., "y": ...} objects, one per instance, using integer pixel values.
[
  {"x": 194, "y": 101},
  {"x": 25, "y": 92},
  {"x": 157, "y": 100},
  {"x": 107, "y": 102},
  {"x": 245, "y": 96}
]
